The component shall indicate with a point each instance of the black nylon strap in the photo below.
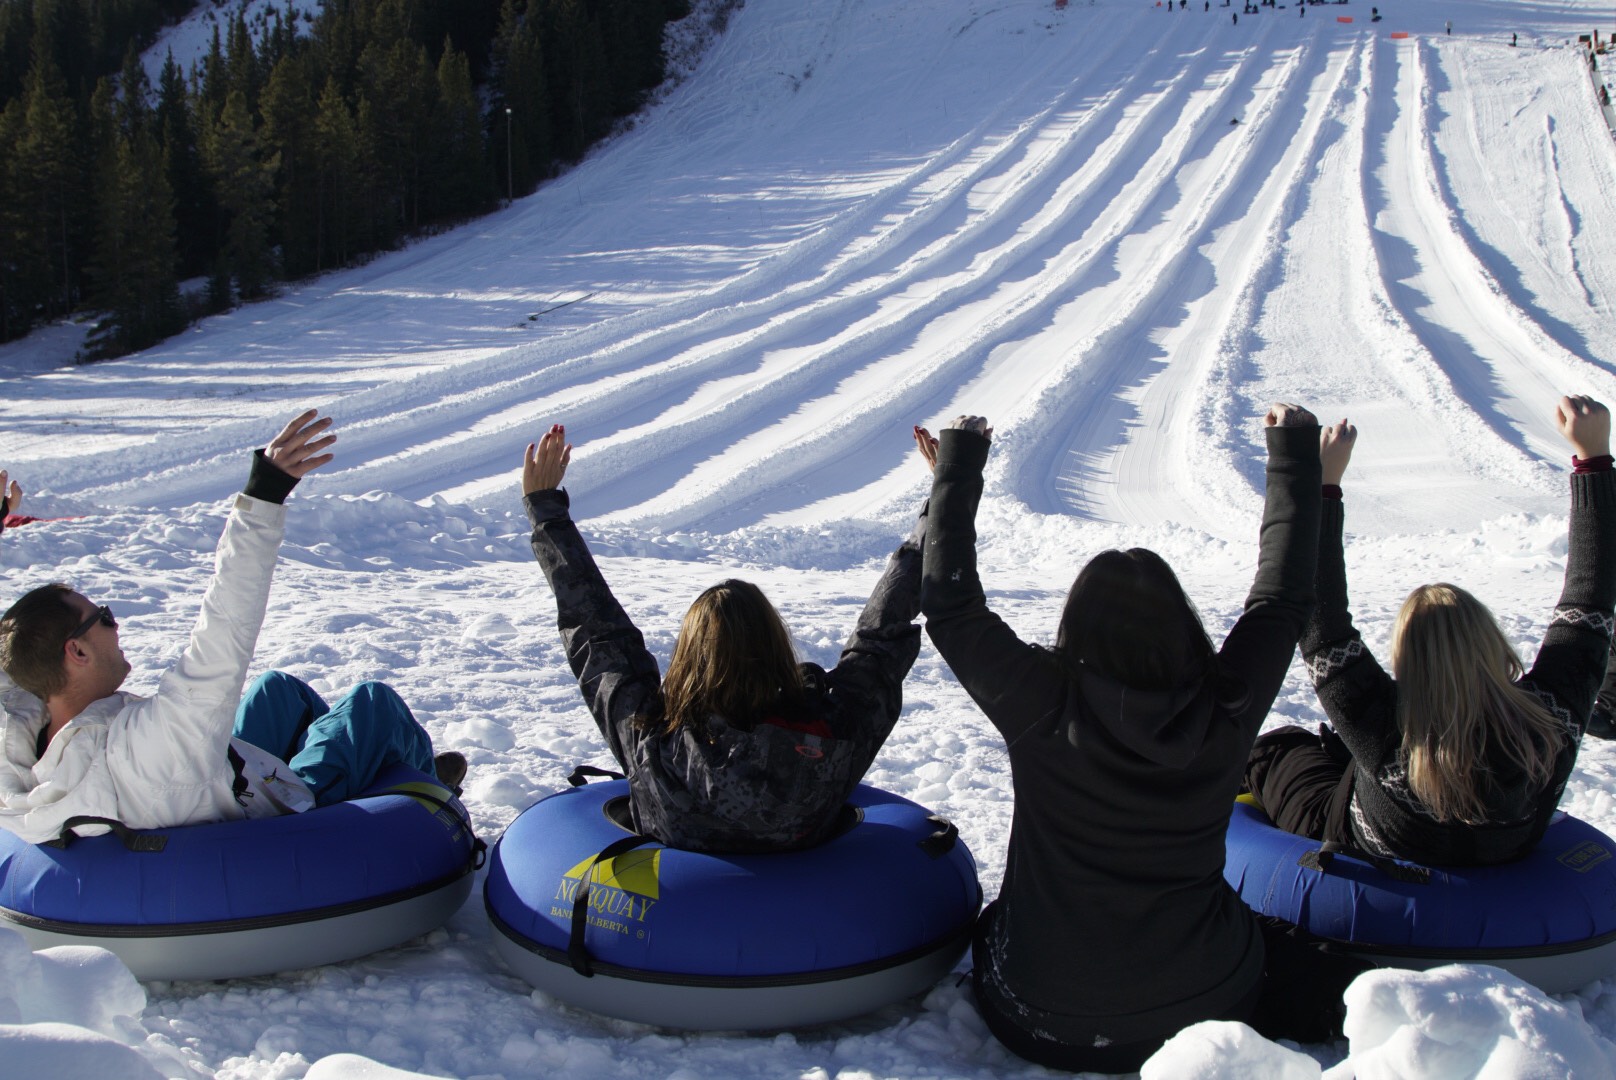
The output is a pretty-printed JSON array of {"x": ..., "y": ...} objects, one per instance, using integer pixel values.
[
  {"x": 136, "y": 842},
  {"x": 942, "y": 841},
  {"x": 1324, "y": 857},
  {"x": 577, "y": 952},
  {"x": 238, "y": 766},
  {"x": 581, "y": 774}
]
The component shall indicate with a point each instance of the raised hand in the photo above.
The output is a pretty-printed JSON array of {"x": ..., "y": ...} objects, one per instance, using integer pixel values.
[
  {"x": 1585, "y": 423},
  {"x": 923, "y": 443},
  {"x": 977, "y": 424},
  {"x": 10, "y": 494},
  {"x": 545, "y": 462},
  {"x": 1335, "y": 450},
  {"x": 296, "y": 450},
  {"x": 1284, "y": 414}
]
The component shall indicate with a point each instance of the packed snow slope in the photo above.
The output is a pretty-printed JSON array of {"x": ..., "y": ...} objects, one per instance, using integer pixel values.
[{"x": 1118, "y": 230}]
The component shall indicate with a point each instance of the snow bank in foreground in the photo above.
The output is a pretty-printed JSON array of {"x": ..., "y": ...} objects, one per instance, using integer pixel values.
[
  {"x": 1466, "y": 1021},
  {"x": 71, "y": 984},
  {"x": 1449, "y": 1023},
  {"x": 68, "y": 1052},
  {"x": 354, "y": 1067},
  {"x": 67, "y": 1013},
  {"x": 1224, "y": 1050}
]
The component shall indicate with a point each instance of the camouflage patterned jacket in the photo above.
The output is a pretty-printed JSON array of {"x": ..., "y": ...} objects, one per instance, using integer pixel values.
[{"x": 775, "y": 786}]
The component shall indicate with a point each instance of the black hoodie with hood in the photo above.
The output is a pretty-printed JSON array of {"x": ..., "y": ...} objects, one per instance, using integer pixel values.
[{"x": 1114, "y": 924}]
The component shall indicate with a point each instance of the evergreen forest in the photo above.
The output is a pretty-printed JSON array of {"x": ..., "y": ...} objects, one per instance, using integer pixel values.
[{"x": 301, "y": 144}]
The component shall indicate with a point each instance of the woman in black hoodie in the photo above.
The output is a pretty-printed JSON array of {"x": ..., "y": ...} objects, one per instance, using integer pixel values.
[{"x": 1114, "y": 927}]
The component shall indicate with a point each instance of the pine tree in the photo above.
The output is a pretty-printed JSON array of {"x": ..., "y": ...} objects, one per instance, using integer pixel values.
[
  {"x": 134, "y": 94},
  {"x": 244, "y": 176},
  {"x": 195, "y": 210},
  {"x": 46, "y": 169},
  {"x": 242, "y": 73},
  {"x": 403, "y": 90},
  {"x": 337, "y": 178},
  {"x": 461, "y": 162},
  {"x": 376, "y": 224},
  {"x": 520, "y": 141},
  {"x": 213, "y": 83},
  {"x": 289, "y": 112},
  {"x": 15, "y": 307},
  {"x": 576, "y": 61},
  {"x": 632, "y": 33},
  {"x": 16, "y": 34},
  {"x": 133, "y": 269},
  {"x": 336, "y": 44}
]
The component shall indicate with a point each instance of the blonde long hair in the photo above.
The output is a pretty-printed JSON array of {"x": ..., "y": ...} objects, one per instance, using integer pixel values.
[
  {"x": 733, "y": 658},
  {"x": 1456, "y": 698}
]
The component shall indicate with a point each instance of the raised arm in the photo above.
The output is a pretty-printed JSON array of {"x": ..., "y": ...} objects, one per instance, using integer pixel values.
[
  {"x": 886, "y": 640},
  {"x": 1572, "y": 660},
  {"x": 1259, "y": 647},
  {"x": 1013, "y": 682},
  {"x": 226, "y": 633},
  {"x": 10, "y": 497},
  {"x": 191, "y": 715},
  {"x": 1358, "y": 696},
  {"x": 616, "y": 672}
]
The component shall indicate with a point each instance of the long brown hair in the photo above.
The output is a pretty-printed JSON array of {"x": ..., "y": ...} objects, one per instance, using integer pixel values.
[
  {"x": 733, "y": 658},
  {"x": 1456, "y": 697}
]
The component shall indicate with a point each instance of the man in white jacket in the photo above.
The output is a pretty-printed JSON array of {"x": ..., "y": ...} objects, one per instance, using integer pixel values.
[{"x": 80, "y": 755}]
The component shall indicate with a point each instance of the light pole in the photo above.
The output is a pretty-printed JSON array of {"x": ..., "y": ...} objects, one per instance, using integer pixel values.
[{"x": 509, "y": 191}]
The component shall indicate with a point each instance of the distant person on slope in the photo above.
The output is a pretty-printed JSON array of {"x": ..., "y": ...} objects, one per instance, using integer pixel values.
[
  {"x": 739, "y": 748},
  {"x": 10, "y": 497},
  {"x": 1114, "y": 928},
  {"x": 1456, "y": 757},
  {"x": 80, "y": 755}
]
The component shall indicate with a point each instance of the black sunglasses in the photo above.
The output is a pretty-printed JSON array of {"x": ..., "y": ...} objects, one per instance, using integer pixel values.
[{"x": 102, "y": 615}]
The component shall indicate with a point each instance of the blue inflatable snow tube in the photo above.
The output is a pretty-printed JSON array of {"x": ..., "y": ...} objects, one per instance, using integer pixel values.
[
  {"x": 683, "y": 939},
  {"x": 1549, "y": 918},
  {"x": 240, "y": 898}
]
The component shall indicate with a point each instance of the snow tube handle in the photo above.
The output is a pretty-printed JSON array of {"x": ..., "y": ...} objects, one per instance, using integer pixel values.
[
  {"x": 1323, "y": 858},
  {"x": 577, "y": 952},
  {"x": 581, "y": 774},
  {"x": 137, "y": 842},
  {"x": 942, "y": 841}
]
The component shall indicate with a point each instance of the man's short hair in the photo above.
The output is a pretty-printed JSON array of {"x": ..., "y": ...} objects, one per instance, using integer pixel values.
[{"x": 32, "y": 633}]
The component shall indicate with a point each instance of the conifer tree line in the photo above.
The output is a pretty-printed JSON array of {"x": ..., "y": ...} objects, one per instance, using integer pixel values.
[{"x": 301, "y": 145}]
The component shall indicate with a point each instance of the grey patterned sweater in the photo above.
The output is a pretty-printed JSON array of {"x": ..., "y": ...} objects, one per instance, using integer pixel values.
[
  {"x": 1361, "y": 699},
  {"x": 777, "y": 784}
]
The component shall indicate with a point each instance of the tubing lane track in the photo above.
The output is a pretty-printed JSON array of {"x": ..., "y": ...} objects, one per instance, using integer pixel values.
[{"x": 1116, "y": 235}]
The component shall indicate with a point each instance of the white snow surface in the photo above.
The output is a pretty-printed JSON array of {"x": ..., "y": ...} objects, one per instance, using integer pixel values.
[{"x": 1117, "y": 231}]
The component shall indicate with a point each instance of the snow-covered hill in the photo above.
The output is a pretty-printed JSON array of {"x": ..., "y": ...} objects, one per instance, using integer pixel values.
[{"x": 1118, "y": 230}]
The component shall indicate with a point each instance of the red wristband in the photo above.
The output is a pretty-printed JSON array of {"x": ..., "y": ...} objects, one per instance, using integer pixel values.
[{"x": 1594, "y": 464}]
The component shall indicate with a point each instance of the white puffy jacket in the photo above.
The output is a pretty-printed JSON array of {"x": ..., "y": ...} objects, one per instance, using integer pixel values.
[{"x": 159, "y": 761}]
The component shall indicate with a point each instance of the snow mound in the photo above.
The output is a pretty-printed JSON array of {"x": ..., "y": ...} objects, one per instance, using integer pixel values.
[
  {"x": 66, "y": 1052},
  {"x": 1467, "y": 1021},
  {"x": 1225, "y": 1050},
  {"x": 355, "y": 1067},
  {"x": 70, "y": 984}
]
